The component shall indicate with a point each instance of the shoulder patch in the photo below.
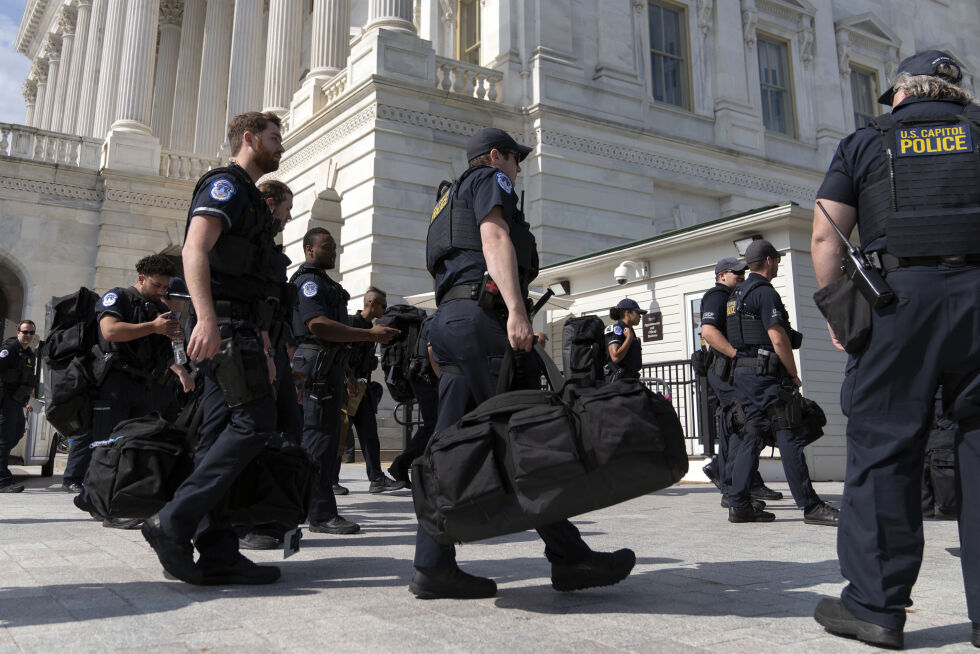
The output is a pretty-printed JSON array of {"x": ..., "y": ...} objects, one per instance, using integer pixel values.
[
  {"x": 310, "y": 288},
  {"x": 4, "y": 353},
  {"x": 503, "y": 181},
  {"x": 708, "y": 315},
  {"x": 617, "y": 330},
  {"x": 109, "y": 299},
  {"x": 222, "y": 190}
]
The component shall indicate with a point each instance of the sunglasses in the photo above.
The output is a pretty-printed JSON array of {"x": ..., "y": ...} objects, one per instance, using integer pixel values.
[{"x": 26, "y": 332}]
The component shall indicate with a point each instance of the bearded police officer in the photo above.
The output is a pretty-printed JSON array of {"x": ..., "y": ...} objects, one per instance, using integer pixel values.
[
  {"x": 482, "y": 254},
  {"x": 911, "y": 183},
  {"x": 765, "y": 381},
  {"x": 231, "y": 268},
  {"x": 322, "y": 332},
  {"x": 18, "y": 364},
  {"x": 729, "y": 273}
]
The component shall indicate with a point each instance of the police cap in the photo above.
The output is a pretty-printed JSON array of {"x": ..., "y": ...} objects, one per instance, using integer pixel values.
[
  {"x": 729, "y": 263},
  {"x": 759, "y": 250},
  {"x": 489, "y": 138},
  {"x": 630, "y": 305},
  {"x": 924, "y": 63}
]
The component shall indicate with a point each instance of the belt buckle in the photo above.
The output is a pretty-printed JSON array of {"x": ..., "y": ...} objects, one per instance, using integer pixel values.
[{"x": 953, "y": 260}]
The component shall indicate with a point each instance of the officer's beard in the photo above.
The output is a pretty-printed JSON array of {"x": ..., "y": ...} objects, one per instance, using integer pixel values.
[{"x": 265, "y": 160}]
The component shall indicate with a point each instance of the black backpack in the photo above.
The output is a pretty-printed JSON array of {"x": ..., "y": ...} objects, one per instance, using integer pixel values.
[
  {"x": 67, "y": 352},
  {"x": 583, "y": 350},
  {"x": 396, "y": 356}
]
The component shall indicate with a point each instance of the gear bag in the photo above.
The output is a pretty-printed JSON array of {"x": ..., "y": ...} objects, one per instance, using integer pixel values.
[
  {"x": 70, "y": 382},
  {"x": 397, "y": 355},
  {"x": 527, "y": 458},
  {"x": 583, "y": 350}
]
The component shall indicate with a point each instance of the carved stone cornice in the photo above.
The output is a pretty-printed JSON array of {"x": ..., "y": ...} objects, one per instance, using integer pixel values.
[
  {"x": 32, "y": 16},
  {"x": 171, "y": 12},
  {"x": 147, "y": 199},
  {"x": 318, "y": 148},
  {"x": 50, "y": 189}
]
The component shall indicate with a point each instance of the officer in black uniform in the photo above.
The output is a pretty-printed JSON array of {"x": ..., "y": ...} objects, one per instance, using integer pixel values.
[
  {"x": 18, "y": 365},
  {"x": 765, "y": 377},
  {"x": 320, "y": 323},
  {"x": 624, "y": 354},
  {"x": 729, "y": 273},
  {"x": 363, "y": 362},
  {"x": 134, "y": 354},
  {"x": 482, "y": 254},
  {"x": 911, "y": 183},
  {"x": 230, "y": 263}
]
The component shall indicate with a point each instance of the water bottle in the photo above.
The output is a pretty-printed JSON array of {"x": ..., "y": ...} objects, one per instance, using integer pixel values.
[{"x": 180, "y": 356}]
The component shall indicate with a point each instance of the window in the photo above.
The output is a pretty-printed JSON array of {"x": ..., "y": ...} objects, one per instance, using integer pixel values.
[
  {"x": 468, "y": 31},
  {"x": 777, "y": 100},
  {"x": 667, "y": 54},
  {"x": 864, "y": 92}
]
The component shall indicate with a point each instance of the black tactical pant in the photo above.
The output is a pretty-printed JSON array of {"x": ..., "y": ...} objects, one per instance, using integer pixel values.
[
  {"x": 475, "y": 340},
  {"x": 725, "y": 393},
  {"x": 321, "y": 438},
  {"x": 12, "y": 422},
  {"x": 365, "y": 423},
  {"x": 927, "y": 337}
]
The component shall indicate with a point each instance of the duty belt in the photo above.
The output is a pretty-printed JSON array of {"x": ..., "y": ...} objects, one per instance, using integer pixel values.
[
  {"x": 461, "y": 292},
  {"x": 258, "y": 312},
  {"x": 886, "y": 261}
]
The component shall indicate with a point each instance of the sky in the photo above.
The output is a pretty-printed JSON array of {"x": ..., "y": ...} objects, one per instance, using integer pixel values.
[{"x": 13, "y": 65}]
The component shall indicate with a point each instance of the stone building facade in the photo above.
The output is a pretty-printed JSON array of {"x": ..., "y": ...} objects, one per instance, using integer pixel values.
[{"x": 645, "y": 116}]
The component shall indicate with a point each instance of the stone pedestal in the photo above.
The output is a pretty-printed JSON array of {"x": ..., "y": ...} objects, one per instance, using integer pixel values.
[
  {"x": 131, "y": 151},
  {"x": 394, "y": 55}
]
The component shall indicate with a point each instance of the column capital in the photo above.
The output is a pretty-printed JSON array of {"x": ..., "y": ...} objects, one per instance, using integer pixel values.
[
  {"x": 52, "y": 48},
  {"x": 29, "y": 89},
  {"x": 171, "y": 12},
  {"x": 66, "y": 21},
  {"x": 39, "y": 70}
]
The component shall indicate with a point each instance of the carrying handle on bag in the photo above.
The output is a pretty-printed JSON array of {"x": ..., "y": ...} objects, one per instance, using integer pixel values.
[{"x": 508, "y": 369}]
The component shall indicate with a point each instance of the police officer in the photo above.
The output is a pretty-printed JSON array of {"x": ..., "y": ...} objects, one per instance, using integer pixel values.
[
  {"x": 18, "y": 364},
  {"x": 910, "y": 182},
  {"x": 320, "y": 324},
  {"x": 229, "y": 258},
  {"x": 482, "y": 254},
  {"x": 365, "y": 420},
  {"x": 133, "y": 355},
  {"x": 624, "y": 356},
  {"x": 765, "y": 378},
  {"x": 729, "y": 273},
  {"x": 278, "y": 197}
]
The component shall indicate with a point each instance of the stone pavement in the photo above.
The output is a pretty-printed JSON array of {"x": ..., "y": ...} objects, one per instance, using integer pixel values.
[{"x": 700, "y": 584}]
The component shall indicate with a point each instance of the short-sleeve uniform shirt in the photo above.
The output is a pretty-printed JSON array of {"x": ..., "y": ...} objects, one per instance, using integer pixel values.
[
  {"x": 713, "y": 307},
  {"x": 633, "y": 360},
  {"x": 318, "y": 295},
  {"x": 481, "y": 191},
  {"x": 129, "y": 306}
]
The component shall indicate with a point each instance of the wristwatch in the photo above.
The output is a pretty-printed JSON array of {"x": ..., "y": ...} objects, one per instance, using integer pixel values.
[{"x": 271, "y": 352}]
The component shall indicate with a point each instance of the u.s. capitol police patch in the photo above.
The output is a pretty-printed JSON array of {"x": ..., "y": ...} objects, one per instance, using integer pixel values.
[
  {"x": 310, "y": 289},
  {"x": 4, "y": 353},
  {"x": 617, "y": 330},
  {"x": 109, "y": 299},
  {"x": 503, "y": 181},
  {"x": 222, "y": 190}
]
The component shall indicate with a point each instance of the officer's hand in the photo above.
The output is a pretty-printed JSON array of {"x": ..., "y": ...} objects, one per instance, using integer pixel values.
[
  {"x": 519, "y": 331},
  {"x": 272, "y": 368},
  {"x": 205, "y": 341},
  {"x": 165, "y": 324},
  {"x": 542, "y": 338},
  {"x": 186, "y": 381},
  {"x": 382, "y": 334},
  {"x": 798, "y": 382},
  {"x": 833, "y": 338}
]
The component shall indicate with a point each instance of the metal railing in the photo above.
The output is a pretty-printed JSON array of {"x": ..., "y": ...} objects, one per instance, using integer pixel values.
[{"x": 688, "y": 394}]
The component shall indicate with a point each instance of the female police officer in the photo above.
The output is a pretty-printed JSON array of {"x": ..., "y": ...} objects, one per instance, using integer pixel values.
[{"x": 624, "y": 356}]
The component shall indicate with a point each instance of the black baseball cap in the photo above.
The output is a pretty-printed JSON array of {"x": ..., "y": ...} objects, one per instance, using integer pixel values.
[
  {"x": 759, "y": 250},
  {"x": 729, "y": 263},
  {"x": 489, "y": 138},
  {"x": 923, "y": 63},
  {"x": 630, "y": 305}
]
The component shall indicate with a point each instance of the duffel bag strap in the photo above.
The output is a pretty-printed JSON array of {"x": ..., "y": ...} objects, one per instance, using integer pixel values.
[{"x": 507, "y": 370}]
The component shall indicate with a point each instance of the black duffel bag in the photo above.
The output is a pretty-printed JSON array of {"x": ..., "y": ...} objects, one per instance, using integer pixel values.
[
  {"x": 275, "y": 488},
  {"x": 136, "y": 471},
  {"x": 528, "y": 458}
]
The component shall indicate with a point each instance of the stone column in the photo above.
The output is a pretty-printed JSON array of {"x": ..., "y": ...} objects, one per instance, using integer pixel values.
[
  {"x": 53, "y": 54},
  {"x": 282, "y": 54},
  {"x": 212, "y": 96},
  {"x": 393, "y": 15},
  {"x": 29, "y": 89},
  {"x": 90, "y": 69},
  {"x": 105, "y": 104},
  {"x": 188, "y": 76},
  {"x": 166, "y": 74},
  {"x": 330, "y": 45},
  {"x": 39, "y": 73},
  {"x": 66, "y": 24},
  {"x": 75, "y": 74},
  {"x": 245, "y": 78}
]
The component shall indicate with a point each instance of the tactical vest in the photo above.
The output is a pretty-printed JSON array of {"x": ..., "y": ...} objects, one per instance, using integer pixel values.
[
  {"x": 704, "y": 299},
  {"x": 924, "y": 197},
  {"x": 300, "y": 330},
  {"x": 745, "y": 329},
  {"x": 455, "y": 226},
  {"x": 21, "y": 370},
  {"x": 248, "y": 248},
  {"x": 149, "y": 354}
]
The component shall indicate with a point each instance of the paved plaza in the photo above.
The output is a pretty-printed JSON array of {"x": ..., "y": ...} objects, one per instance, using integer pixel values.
[{"x": 68, "y": 585}]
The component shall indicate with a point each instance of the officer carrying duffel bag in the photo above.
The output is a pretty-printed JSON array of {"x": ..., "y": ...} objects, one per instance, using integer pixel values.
[{"x": 527, "y": 458}]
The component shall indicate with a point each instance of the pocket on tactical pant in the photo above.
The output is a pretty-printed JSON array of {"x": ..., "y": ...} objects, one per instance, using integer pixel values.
[{"x": 240, "y": 368}]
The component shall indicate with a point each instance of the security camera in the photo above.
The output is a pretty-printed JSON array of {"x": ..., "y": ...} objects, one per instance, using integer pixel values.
[{"x": 629, "y": 269}]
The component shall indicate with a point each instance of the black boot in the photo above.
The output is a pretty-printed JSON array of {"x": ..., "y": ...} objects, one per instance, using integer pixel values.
[
  {"x": 833, "y": 616},
  {"x": 450, "y": 583},
  {"x": 600, "y": 569}
]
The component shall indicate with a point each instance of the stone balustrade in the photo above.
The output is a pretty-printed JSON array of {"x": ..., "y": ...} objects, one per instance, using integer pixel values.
[
  {"x": 22, "y": 142},
  {"x": 185, "y": 165},
  {"x": 334, "y": 87},
  {"x": 468, "y": 79}
]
